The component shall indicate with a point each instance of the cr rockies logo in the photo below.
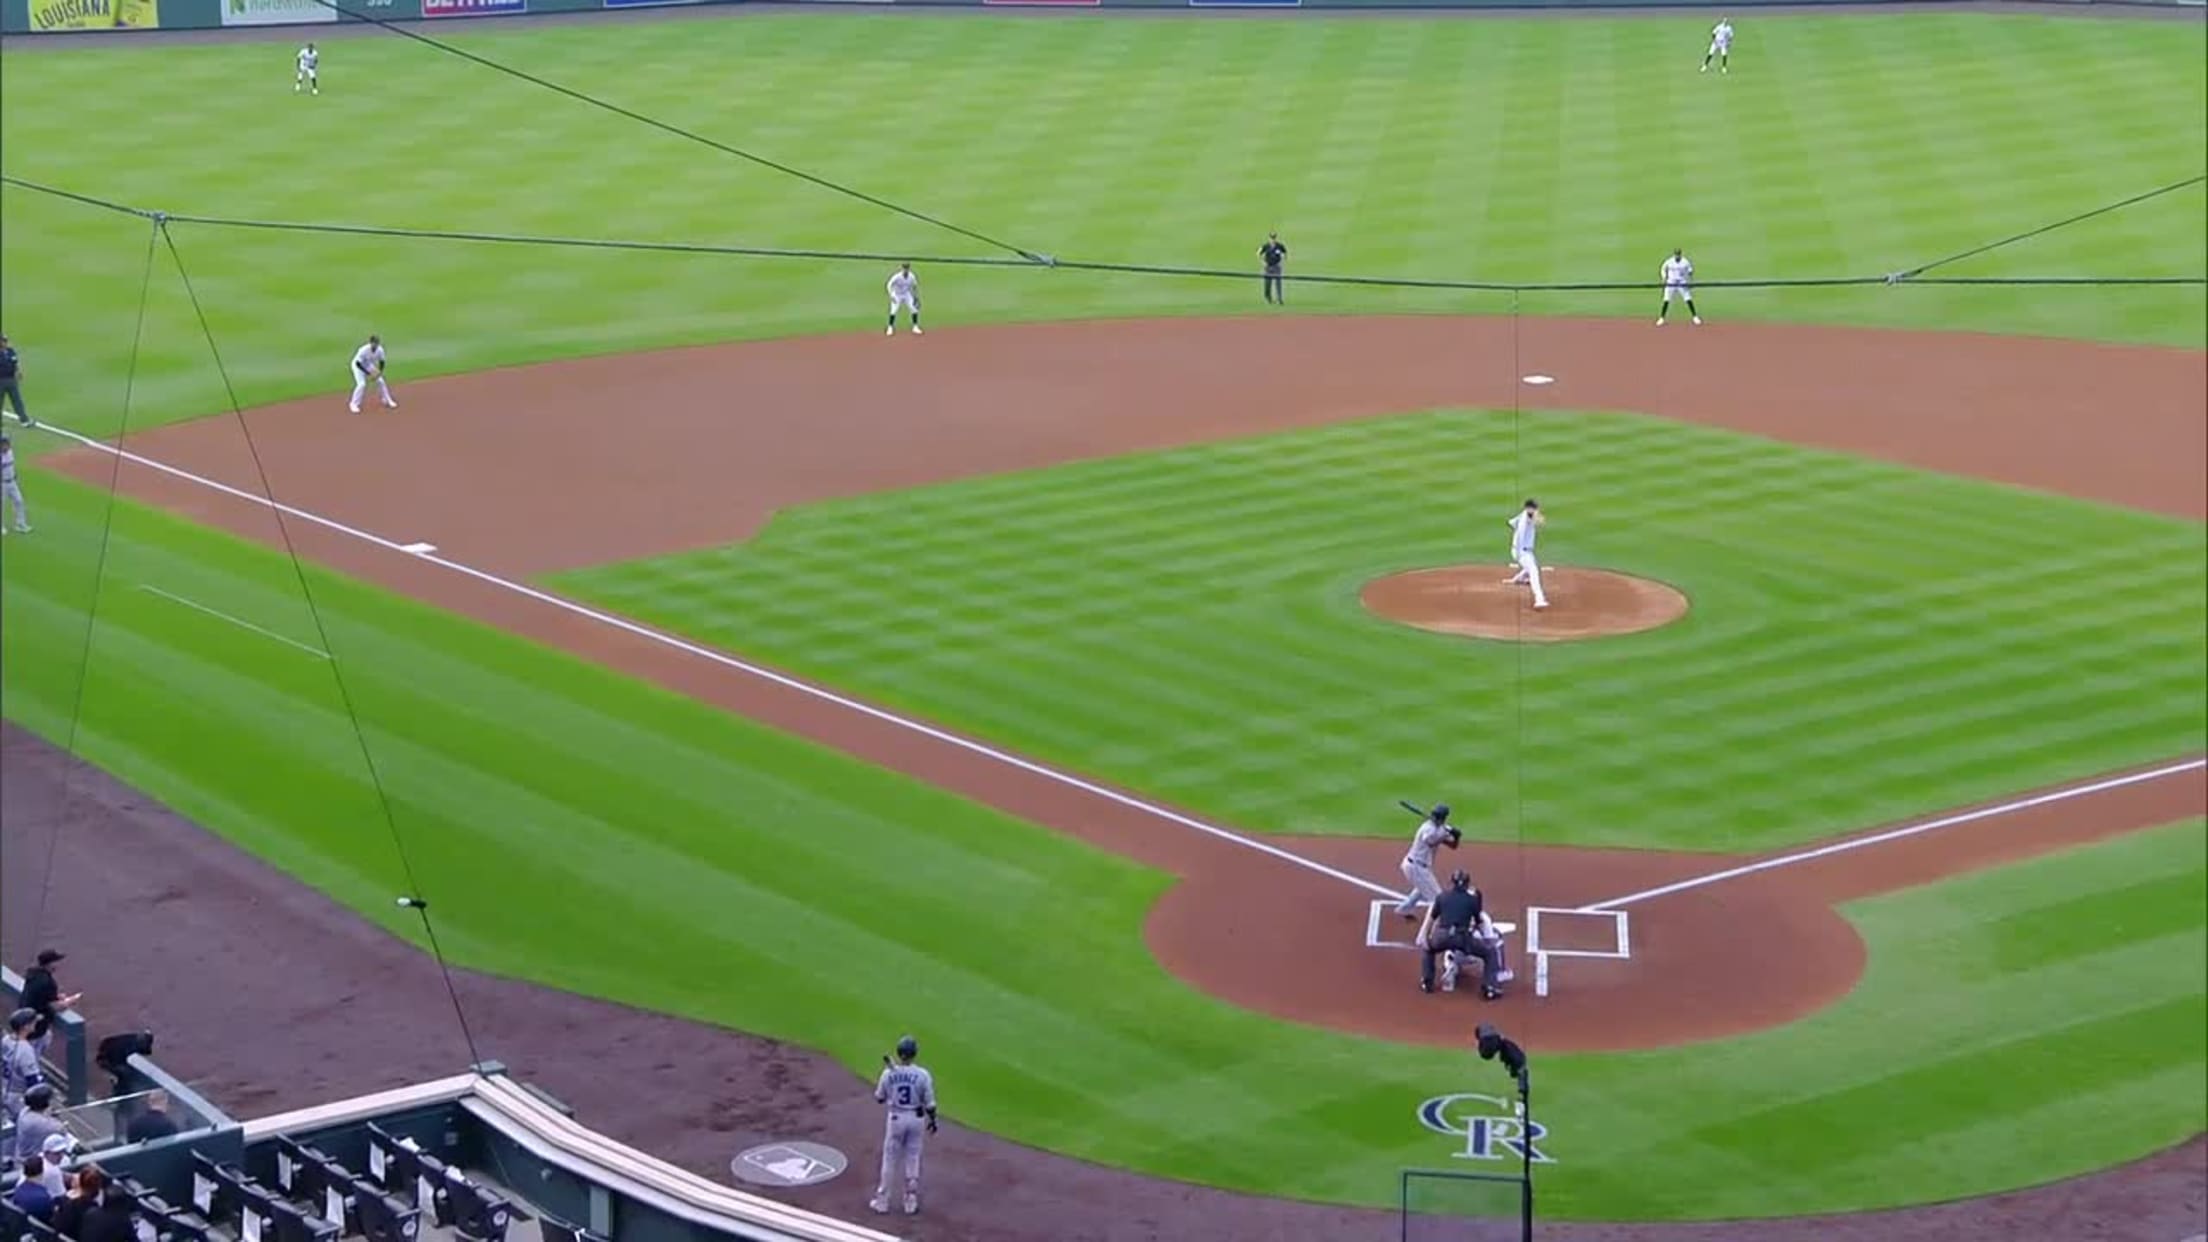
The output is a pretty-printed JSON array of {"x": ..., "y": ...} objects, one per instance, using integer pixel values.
[{"x": 1489, "y": 1126}]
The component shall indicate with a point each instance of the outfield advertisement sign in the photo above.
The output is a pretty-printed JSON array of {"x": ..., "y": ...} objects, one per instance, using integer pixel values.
[
  {"x": 57, "y": 15},
  {"x": 276, "y": 12},
  {"x": 647, "y": 4},
  {"x": 473, "y": 8}
]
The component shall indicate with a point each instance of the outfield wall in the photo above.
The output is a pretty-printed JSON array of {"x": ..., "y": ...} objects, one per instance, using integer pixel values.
[{"x": 80, "y": 16}]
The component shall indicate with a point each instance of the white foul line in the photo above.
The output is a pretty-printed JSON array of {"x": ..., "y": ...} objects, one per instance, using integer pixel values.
[
  {"x": 730, "y": 662},
  {"x": 1910, "y": 830},
  {"x": 240, "y": 622}
]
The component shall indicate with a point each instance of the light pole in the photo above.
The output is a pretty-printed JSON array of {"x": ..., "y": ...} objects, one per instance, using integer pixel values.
[{"x": 1494, "y": 1044}]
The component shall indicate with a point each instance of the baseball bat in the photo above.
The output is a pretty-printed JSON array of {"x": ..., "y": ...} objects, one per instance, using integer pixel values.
[
  {"x": 886, "y": 1061},
  {"x": 1413, "y": 808}
]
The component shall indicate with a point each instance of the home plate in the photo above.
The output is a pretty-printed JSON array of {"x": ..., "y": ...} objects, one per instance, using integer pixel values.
[
  {"x": 1540, "y": 379},
  {"x": 419, "y": 549}
]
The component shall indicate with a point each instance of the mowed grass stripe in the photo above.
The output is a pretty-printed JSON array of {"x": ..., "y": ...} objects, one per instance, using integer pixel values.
[
  {"x": 1392, "y": 146},
  {"x": 1187, "y": 623}
]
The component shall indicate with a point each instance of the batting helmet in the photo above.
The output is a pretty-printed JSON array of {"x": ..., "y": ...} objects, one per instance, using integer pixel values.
[
  {"x": 1441, "y": 812},
  {"x": 908, "y": 1047}
]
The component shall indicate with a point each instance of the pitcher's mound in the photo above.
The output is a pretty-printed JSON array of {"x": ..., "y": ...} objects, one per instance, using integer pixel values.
[{"x": 1473, "y": 600}]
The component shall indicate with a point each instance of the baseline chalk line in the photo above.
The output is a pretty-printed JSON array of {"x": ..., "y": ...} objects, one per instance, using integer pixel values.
[
  {"x": 240, "y": 622},
  {"x": 1908, "y": 830},
  {"x": 734, "y": 664}
]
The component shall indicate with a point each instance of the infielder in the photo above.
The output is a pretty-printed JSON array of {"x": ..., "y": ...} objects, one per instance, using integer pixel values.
[
  {"x": 308, "y": 60},
  {"x": 368, "y": 365},
  {"x": 1678, "y": 273},
  {"x": 904, "y": 294},
  {"x": 908, "y": 1094},
  {"x": 11, "y": 489},
  {"x": 1524, "y": 526},
  {"x": 1721, "y": 47},
  {"x": 1418, "y": 862}
]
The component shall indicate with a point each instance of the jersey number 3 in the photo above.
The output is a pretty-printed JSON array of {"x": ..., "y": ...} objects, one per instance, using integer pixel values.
[{"x": 903, "y": 1092}]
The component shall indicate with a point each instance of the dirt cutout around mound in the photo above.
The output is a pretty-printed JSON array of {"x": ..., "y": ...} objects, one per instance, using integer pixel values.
[
  {"x": 1479, "y": 601},
  {"x": 716, "y": 439}
]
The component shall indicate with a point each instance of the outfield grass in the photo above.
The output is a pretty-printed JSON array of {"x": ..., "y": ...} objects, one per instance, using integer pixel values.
[
  {"x": 1513, "y": 150},
  {"x": 527, "y": 785},
  {"x": 1866, "y": 641}
]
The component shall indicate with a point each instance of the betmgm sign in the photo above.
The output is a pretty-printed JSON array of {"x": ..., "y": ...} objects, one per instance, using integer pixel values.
[{"x": 1488, "y": 1126}]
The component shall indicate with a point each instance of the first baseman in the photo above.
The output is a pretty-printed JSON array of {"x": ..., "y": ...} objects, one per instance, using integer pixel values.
[
  {"x": 1418, "y": 863},
  {"x": 904, "y": 294},
  {"x": 907, "y": 1093},
  {"x": 368, "y": 365},
  {"x": 1524, "y": 526},
  {"x": 12, "y": 489},
  {"x": 1678, "y": 274},
  {"x": 1721, "y": 47},
  {"x": 309, "y": 60}
]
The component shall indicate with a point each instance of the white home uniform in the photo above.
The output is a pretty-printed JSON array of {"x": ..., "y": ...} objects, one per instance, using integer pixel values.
[
  {"x": 904, "y": 294},
  {"x": 1523, "y": 529},
  {"x": 368, "y": 366},
  {"x": 309, "y": 61},
  {"x": 12, "y": 489},
  {"x": 1721, "y": 47},
  {"x": 907, "y": 1093},
  {"x": 1678, "y": 275},
  {"x": 1418, "y": 866}
]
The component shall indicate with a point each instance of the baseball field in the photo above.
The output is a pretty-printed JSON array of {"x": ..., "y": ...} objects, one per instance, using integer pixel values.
[{"x": 1022, "y": 685}]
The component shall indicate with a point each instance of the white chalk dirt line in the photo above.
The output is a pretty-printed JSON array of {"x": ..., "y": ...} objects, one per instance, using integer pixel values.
[
  {"x": 2066, "y": 794},
  {"x": 730, "y": 662},
  {"x": 240, "y": 622},
  {"x": 1052, "y": 774}
]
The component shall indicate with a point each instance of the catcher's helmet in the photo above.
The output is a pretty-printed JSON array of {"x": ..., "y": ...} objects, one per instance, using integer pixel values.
[
  {"x": 908, "y": 1047},
  {"x": 1459, "y": 880},
  {"x": 1441, "y": 812}
]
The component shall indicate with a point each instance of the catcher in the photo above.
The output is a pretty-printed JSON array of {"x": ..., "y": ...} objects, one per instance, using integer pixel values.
[
  {"x": 367, "y": 366},
  {"x": 1418, "y": 864}
]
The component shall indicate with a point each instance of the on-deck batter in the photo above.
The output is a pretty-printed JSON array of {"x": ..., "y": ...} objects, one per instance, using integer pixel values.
[{"x": 907, "y": 1093}]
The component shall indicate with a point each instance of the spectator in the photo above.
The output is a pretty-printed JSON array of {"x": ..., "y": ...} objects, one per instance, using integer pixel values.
[
  {"x": 56, "y": 1152},
  {"x": 42, "y": 995},
  {"x": 30, "y": 1195},
  {"x": 69, "y": 1213},
  {"x": 19, "y": 1067},
  {"x": 37, "y": 1123},
  {"x": 108, "y": 1220},
  {"x": 153, "y": 1121}
]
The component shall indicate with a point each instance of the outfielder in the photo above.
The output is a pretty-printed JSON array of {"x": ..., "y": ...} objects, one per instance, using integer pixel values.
[
  {"x": 309, "y": 59},
  {"x": 12, "y": 489},
  {"x": 908, "y": 1093},
  {"x": 368, "y": 365},
  {"x": 904, "y": 294},
  {"x": 1418, "y": 862},
  {"x": 1524, "y": 526},
  {"x": 1721, "y": 47},
  {"x": 1678, "y": 273}
]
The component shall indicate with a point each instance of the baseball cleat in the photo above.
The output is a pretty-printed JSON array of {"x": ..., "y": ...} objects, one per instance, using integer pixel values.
[
  {"x": 1659, "y": 321},
  {"x": 1426, "y": 987},
  {"x": 1491, "y": 994},
  {"x": 891, "y": 332},
  {"x": 1698, "y": 321},
  {"x": 912, "y": 1205},
  {"x": 917, "y": 332},
  {"x": 1540, "y": 603},
  {"x": 1505, "y": 976},
  {"x": 879, "y": 1205}
]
